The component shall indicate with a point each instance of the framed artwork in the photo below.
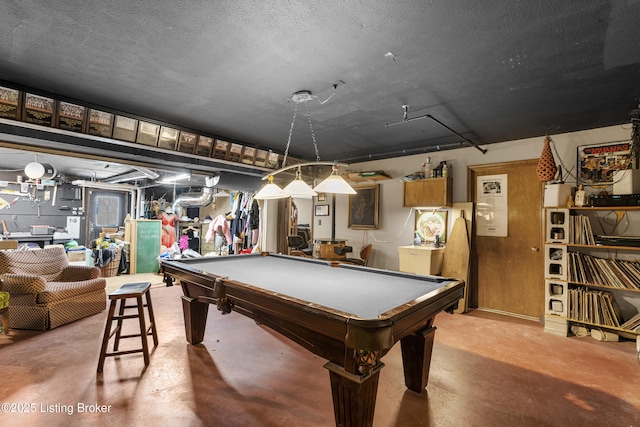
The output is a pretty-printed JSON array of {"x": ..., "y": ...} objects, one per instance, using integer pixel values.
[
  {"x": 322, "y": 210},
  {"x": 38, "y": 109},
  {"x": 430, "y": 224},
  {"x": 598, "y": 162},
  {"x": 71, "y": 116},
  {"x": 363, "y": 207},
  {"x": 100, "y": 123},
  {"x": 321, "y": 197},
  {"x": 10, "y": 100}
]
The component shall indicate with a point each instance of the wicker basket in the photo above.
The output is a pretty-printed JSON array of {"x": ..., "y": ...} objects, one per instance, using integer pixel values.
[{"x": 111, "y": 269}]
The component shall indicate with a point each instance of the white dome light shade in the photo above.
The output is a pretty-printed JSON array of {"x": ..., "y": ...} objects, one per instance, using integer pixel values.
[
  {"x": 270, "y": 191},
  {"x": 334, "y": 184},
  {"x": 298, "y": 188},
  {"x": 34, "y": 170}
]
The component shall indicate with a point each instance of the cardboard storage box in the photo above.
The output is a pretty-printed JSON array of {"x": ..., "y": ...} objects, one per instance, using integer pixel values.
[
  {"x": 556, "y": 195},
  {"x": 77, "y": 256},
  {"x": 626, "y": 182}
]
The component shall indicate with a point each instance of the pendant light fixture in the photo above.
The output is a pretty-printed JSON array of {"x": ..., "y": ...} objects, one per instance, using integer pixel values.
[
  {"x": 270, "y": 191},
  {"x": 298, "y": 188},
  {"x": 334, "y": 184},
  {"x": 34, "y": 170}
]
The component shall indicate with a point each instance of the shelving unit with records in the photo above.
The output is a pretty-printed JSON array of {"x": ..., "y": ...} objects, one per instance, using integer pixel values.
[{"x": 592, "y": 269}]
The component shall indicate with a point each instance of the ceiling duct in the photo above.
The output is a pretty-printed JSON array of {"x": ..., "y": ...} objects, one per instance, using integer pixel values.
[
  {"x": 138, "y": 174},
  {"x": 50, "y": 172},
  {"x": 203, "y": 198},
  {"x": 238, "y": 182}
]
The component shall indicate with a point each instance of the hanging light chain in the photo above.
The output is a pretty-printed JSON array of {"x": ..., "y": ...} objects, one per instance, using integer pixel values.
[
  {"x": 313, "y": 135},
  {"x": 286, "y": 151}
]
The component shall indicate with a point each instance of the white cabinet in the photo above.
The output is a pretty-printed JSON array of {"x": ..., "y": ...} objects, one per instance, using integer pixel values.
[{"x": 421, "y": 259}]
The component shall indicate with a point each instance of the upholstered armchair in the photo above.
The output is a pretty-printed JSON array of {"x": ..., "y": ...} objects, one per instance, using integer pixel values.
[{"x": 46, "y": 291}]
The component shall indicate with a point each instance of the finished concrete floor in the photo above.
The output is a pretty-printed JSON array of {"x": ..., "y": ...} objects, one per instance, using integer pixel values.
[{"x": 486, "y": 370}]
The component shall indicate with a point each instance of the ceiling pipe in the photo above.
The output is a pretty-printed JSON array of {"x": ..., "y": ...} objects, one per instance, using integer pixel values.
[
  {"x": 104, "y": 185},
  {"x": 139, "y": 173},
  {"x": 203, "y": 198}
]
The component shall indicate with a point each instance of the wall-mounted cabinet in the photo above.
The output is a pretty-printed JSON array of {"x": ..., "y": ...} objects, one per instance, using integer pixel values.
[{"x": 428, "y": 192}]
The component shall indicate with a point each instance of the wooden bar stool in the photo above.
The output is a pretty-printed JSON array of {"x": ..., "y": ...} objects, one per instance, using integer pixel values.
[{"x": 130, "y": 290}]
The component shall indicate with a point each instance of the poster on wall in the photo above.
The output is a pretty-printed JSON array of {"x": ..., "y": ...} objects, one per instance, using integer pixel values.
[
  {"x": 597, "y": 163},
  {"x": 492, "y": 209}
]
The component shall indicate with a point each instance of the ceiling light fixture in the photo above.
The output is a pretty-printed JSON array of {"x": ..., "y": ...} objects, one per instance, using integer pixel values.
[
  {"x": 298, "y": 188},
  {"x": 34, "y": 170}
]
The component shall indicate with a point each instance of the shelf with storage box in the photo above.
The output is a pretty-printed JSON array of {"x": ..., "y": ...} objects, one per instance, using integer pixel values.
[
  {"x": 366, "y": 176},
  {"x": 592, "y": 271},
  {"x": 428, "y": 192}
]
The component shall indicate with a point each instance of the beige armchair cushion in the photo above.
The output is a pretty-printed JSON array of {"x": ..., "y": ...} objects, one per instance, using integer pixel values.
[{"x": 46, "y": 291}]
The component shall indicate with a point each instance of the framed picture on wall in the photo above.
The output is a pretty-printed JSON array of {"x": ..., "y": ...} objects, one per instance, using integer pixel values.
[
  {"x": 363, "y": 208},
  {"x": 322, "y": 210},
  {"x": 598, "y": 162},
  {"x": 430, "y": 224}
]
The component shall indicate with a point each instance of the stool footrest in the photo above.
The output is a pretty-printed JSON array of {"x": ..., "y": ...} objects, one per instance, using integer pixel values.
[
  {"x": 121, "y": 352},
  {"x": 130, "y": 336},
  {"x": 125, "y": 316}
]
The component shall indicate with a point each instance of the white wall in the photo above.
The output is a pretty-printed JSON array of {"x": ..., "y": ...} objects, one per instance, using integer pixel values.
[
  {"x": 305, "y": 207},
  {"x": 397, "y": 223}
]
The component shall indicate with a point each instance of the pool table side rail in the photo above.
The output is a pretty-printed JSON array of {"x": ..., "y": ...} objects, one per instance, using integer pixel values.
[
  {"x": 281, "y": 312},
  {"x": 194, "y": 275},
  {"x": 320, "y": 332}
]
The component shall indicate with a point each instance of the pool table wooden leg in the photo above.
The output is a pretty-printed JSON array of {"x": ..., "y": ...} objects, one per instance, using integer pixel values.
[
  {"x": 416, "y": 358},
  {"x": 195, "y": 319},
  {"x": 354, "y": 396}
]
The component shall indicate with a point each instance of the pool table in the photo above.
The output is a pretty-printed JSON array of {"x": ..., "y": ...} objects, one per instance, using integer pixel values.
[{"x": 349, "y": 315}]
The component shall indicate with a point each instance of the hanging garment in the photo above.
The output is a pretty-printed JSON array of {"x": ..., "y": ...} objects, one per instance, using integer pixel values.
[{"x": 219, "y": 222}]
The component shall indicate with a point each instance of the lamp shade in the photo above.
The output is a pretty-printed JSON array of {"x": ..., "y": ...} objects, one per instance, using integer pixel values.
[
  {"x": 270, "y": 191},
  {"x": 335, "y": 184},
  {"x": 298, "y": 188},
  {"x": 34, "y": 170}
]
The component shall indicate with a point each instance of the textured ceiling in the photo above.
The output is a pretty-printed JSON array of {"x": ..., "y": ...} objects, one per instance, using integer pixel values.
[{"x": 490, "y": 70}]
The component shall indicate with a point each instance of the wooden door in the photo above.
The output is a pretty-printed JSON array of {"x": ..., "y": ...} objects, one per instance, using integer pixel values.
[{"x": 508, "y": 271}]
